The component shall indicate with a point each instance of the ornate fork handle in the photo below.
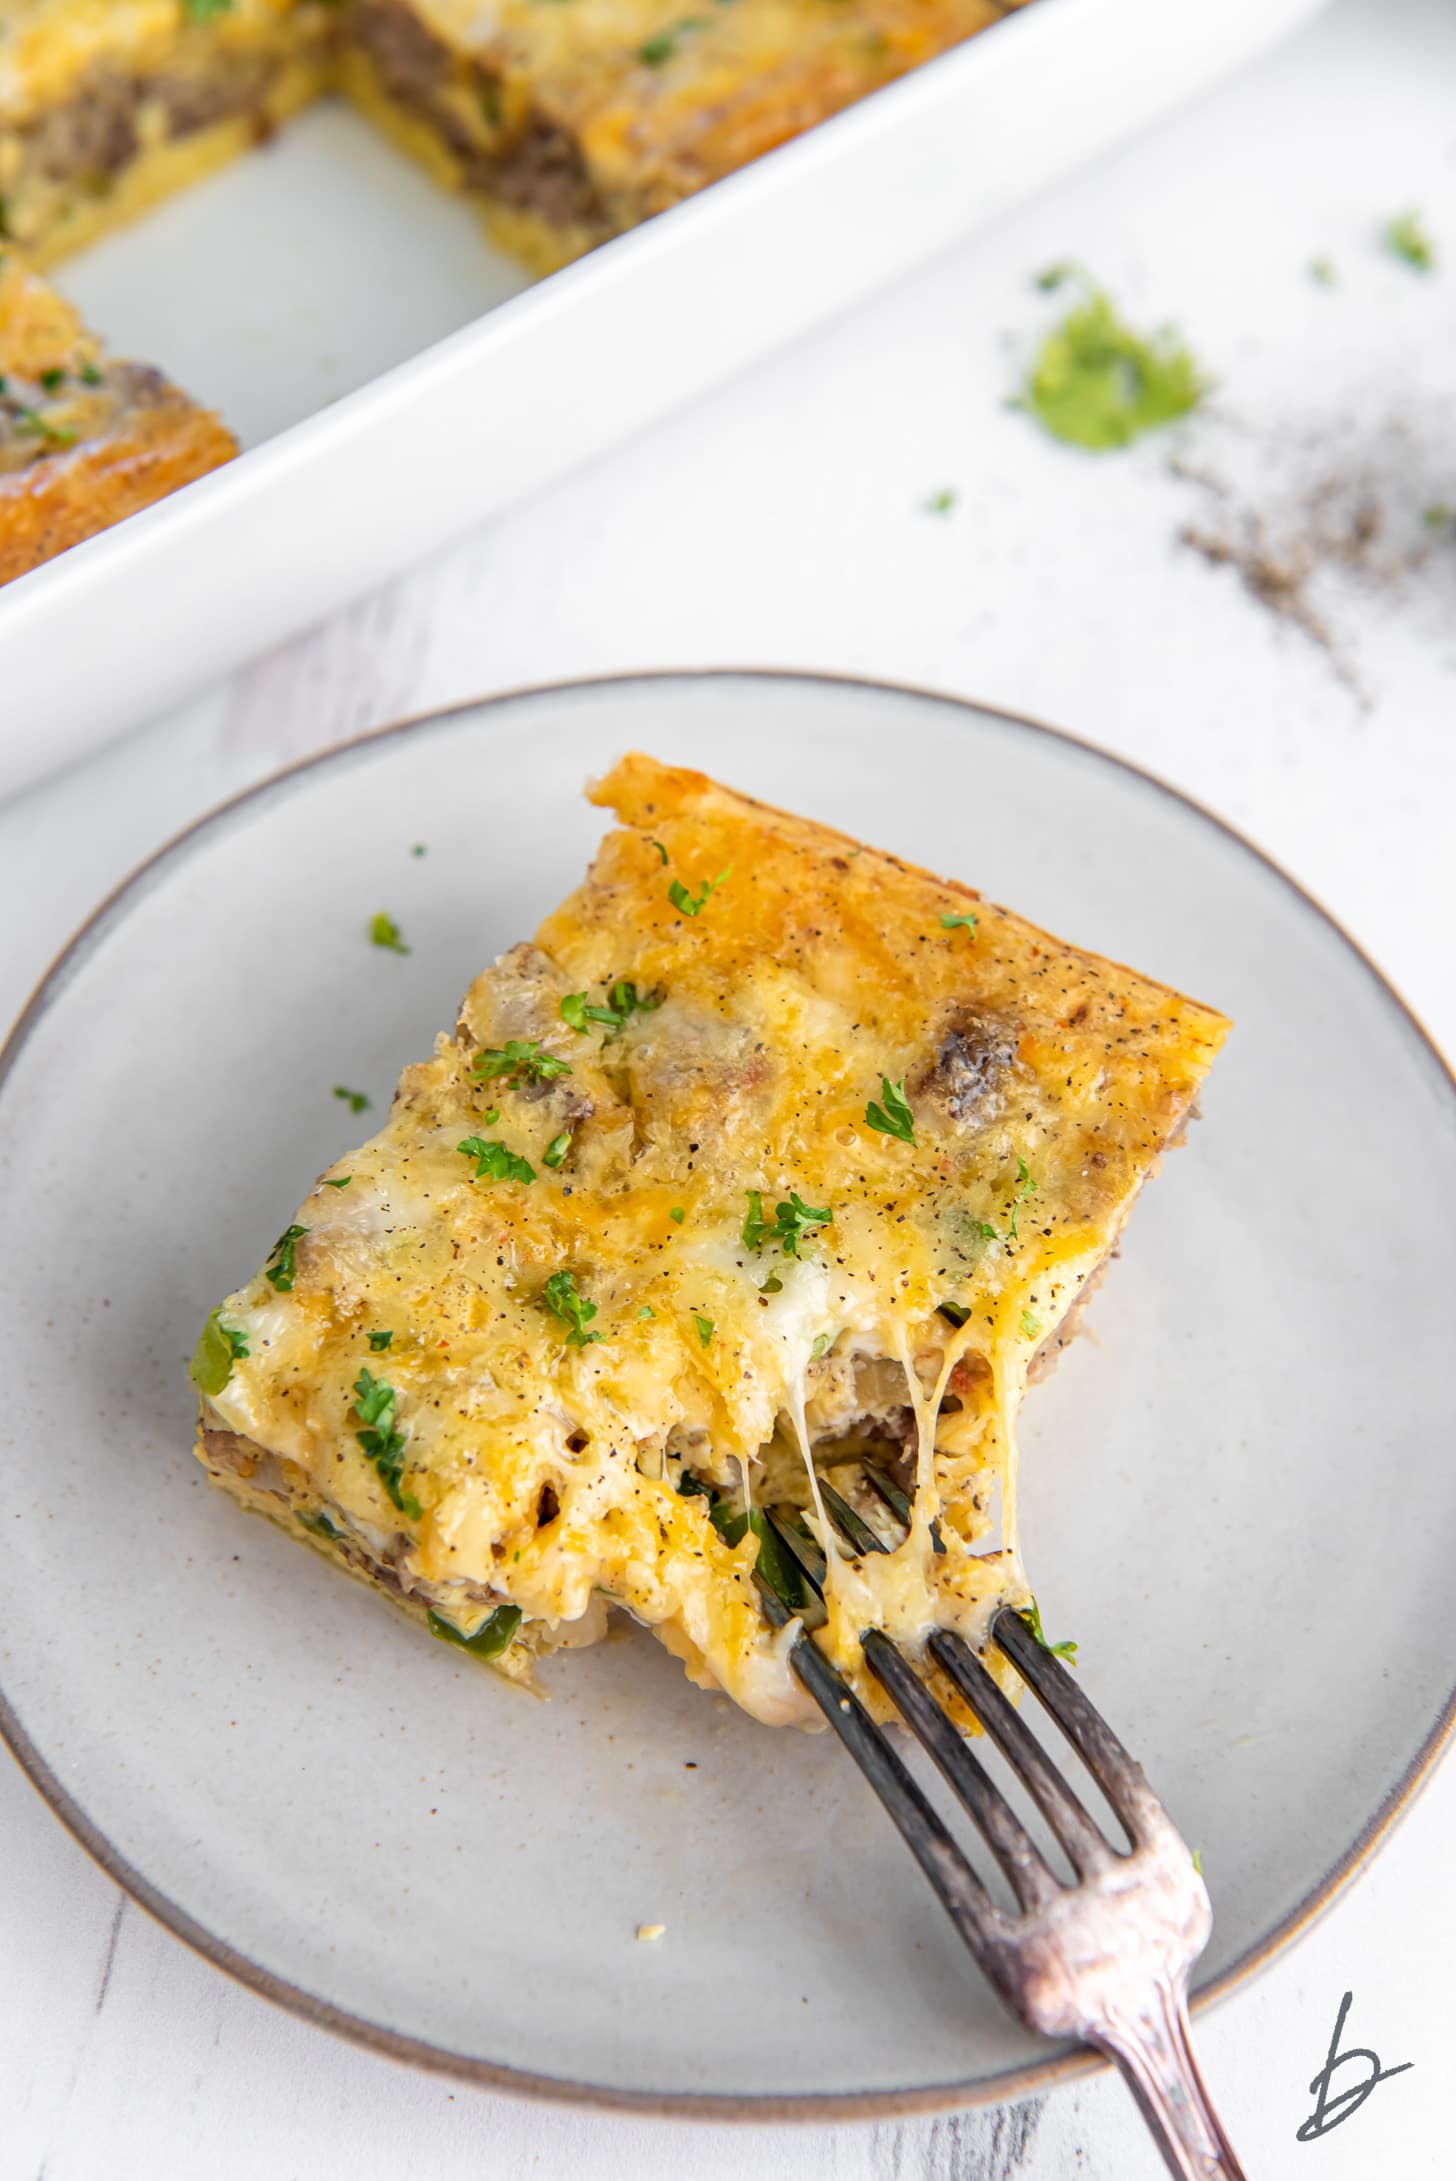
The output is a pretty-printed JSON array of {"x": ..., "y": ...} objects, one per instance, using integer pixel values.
[{"x": 1153, "y": 2049}]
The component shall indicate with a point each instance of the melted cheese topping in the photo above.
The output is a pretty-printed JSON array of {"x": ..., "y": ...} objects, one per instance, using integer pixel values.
[{"x": 546, "y": 1470}]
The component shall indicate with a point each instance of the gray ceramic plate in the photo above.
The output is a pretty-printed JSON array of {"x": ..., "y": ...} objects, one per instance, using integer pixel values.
[{"x": 1238, "y": 1490}]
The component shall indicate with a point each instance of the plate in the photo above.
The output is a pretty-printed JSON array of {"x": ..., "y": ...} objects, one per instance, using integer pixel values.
[{"x": 1236, "y": 1489}]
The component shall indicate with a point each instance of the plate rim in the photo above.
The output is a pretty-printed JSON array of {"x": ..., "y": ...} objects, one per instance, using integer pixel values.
[{"x": 710, "y": 2106}]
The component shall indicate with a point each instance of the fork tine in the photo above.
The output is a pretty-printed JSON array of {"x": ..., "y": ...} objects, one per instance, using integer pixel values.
[
  {"x": 1013, "y": 1847},
  {"x": 805, "y": 1549},
  {"x": 851, "y": 1526},
  {"x": 1117, "y": 1773},
  {"x": 1066, "y": 1816},
  {"x": 970, "y": 1907},
  {"x": 889, "y": 1494}
]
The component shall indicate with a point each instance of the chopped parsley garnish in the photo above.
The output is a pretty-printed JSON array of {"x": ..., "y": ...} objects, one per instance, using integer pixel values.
[
  {"x": 342, "y": 1182},
  {"x": 941, "y": 503},
  {"x": 418, "y": 849},
  {"x": 1436, "y": 516},
  {"x": 622, "y": 1002},
  {"x": 320, "y": 1525},
  {"x": 281, "y": 1266},
  {"x": 556, "y": 1150},
  {"x": 53, "y": 380},
  {"x": 658, "y": 846},
  {"x": 89, "y": 375},
  {"x": 688, "y": 904},
  {"x": 562, "y": 1300},
  {"x": 356, "y": 1101},
  {"x": 789, "y": 1226},
  {"x": 1322, "y": 273},
  {"x": 676, "y": 1214},
  {"x": 494, "y": 1635},
  {"x": 1055, "y": 276},
  {"x": 380, "y": 1341},
  {"x": 205, "y": 11},
  {"x": 647, "y": 1311},
  {"x": 1032, "y": 1617},
  {"x": 383, "y": 1442},
  {"x": 218, "y": 1347},
  {"x": 1405, "y": 238},
  {"x": 1025, "y": 1187},
  {"x": 493, "y": 1162},
  {"x": 1097, "y": 384},
  {"x": 893, "y": 1117},
  {"x": 953, "y": 1313},
  {"x": 957, "y": 923},
  {"x": 821, "y": 1346},
  {"x": 1030, "y": 1326},
  {"x": 656, "y": 52},
  {"x": 1198, "y": 1861},
  {"x": 519, "y": 1060},
  {"x": 705, "y": 1328},
  {"x": 384, "y": 932}
]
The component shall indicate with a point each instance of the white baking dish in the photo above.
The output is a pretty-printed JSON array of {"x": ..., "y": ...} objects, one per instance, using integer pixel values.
[{"x": 394, "y": 380}]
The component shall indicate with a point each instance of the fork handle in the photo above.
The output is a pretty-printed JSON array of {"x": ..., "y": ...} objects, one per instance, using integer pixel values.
[{"x": 1153, "y": 2050}]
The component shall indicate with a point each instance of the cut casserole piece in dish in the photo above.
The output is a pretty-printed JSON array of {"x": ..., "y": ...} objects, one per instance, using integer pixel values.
[
  {"x": 770, "y": 1155},
  {"x": 570, "y": 122},
  {"x": 84, "y": 439},
  {"x": 106, "y": 106}
]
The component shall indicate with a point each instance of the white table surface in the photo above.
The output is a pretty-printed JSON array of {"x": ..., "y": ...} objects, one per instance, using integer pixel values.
[{"x": 783, "y": 522}]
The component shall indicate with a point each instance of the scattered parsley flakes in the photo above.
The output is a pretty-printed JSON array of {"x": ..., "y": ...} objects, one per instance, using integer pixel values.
[
  {"x": 1025, "y": 1187},
  {"x": 381, "y": 1439},
  {"x": 656, "y": 52},
  {"x": 556, "y": 1150},
  {"x": 384, "y": 932},
  {"x": 560, "y": 1297},
  {"x": 218, "y": 1347},
  {"x": 647, "y": 1311},
  {"x": 821, "y": 1345},
  {"x": 494, "y": 1635},
  {"x": 659, "y": 847},
  {"x": 1322, "y": 273},
  {"x": 1029, "y": 1325},
  {"x": 281, "y": 1265},
  {"x": 705, "y": 1328},
  {"x": 319, "y": 1523},
  {"x": 953, "y": 1313},
  {"x": 1198, "y": 1861},
  {"x": 622, "y": 1002},
  {"x": 1436, "y": 516},
  {"x": 418, "y": 849},
  {"x": 773, "y": 1285},
  {"x": 789, "y": 1226},
  {"x": 342, "y": 1182},
  {"x": 688, "y": 904},
  {"x": 1405, "y": 238},
  {"x": 893, "y": 1117},
  {"x": 380, "y": 1341},
  {"x": 205, "y": 11},
  {"x": 1052, "y": 277},
  {"x": 1097, "y": 384},
  {"x": 1032, "y": 1616},
  {"x": 676, "y": 1214},
  {"x": 958, "y": 923},
  {"x": 354, "y": 1100},
  {"x": 494, "y": 1162},
  {"x": 519, "y": 1060},
  {"x": 941, "y": 503}
]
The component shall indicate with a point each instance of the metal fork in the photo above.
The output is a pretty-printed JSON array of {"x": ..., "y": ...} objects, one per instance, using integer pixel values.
[{"x": 1105, "y": 1960}]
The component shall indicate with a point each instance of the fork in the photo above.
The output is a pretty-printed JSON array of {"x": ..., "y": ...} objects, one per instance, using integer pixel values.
[{"x": 1105, "y": 1960}]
